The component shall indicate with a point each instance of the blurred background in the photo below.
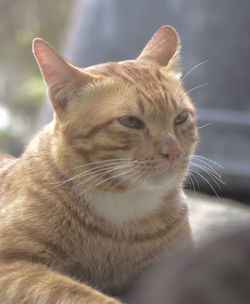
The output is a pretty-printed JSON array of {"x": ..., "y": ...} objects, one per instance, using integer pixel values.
[{"x": 216, "y": 63}]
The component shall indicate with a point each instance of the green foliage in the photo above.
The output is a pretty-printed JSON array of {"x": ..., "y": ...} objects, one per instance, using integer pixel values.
[
  {"x": 35, "y": 88},
  {"x": 3, "y": 135},
  {"x": 22, "y": 90}
]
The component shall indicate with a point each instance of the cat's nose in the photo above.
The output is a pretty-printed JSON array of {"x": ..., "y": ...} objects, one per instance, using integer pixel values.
[
  {"x": 170, "y": 152},
  {"x": 169, "y": 148}
]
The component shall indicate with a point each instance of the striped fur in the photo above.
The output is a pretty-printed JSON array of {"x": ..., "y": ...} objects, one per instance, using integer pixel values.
[{"x": 92, "y": 202}]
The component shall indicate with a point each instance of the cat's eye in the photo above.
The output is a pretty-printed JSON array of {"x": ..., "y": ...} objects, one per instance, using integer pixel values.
[
  {"x": 181, "y": 118},
  {"x": 131, "y": 122}
]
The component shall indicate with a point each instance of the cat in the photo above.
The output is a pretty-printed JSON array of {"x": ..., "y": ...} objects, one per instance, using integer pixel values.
[{"x": 97, "y": 196}]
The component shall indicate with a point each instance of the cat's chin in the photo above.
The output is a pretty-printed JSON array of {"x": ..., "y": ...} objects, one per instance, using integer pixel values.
[{"x": 164, "y": 179}]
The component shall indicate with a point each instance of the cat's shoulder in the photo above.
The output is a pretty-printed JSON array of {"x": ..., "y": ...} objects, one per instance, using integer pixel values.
[{"x": 6, "y": 160}]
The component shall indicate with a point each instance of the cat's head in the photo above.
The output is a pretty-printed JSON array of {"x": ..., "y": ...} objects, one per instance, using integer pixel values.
[{"x": 132, "y": 120}]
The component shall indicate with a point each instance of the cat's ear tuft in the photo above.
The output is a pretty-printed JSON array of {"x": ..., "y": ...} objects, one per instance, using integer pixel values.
[
  {"x": 62, "y": 78},
  {"x": 163, "y": 48}
]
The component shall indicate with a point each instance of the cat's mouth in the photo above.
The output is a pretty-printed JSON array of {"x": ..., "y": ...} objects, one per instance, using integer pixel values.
[
  {"x": 134, "y": 173},
  {"x": 163, "y": 172}
]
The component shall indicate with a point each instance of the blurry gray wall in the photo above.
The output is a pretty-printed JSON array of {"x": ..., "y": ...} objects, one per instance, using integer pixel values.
[{"x": 218, "y": 31}]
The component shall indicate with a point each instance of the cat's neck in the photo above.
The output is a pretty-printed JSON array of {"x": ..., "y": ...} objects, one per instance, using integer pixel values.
[{"x": 132, "y": 205}]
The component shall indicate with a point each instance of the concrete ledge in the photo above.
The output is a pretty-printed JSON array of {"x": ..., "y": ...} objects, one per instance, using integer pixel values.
[{"x": 211, "y": 217}]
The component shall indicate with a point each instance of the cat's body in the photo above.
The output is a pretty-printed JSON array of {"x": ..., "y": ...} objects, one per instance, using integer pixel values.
[
  {"x": 89, "y": 199},
  {"x": 61, "y": 231}
]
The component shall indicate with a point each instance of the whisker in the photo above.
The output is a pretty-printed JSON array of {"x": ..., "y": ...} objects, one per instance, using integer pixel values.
[
  {"x": 137, "y": 177},
  {"x": 208, "y": 168},
  {"x": 187, "y": 183},
  {"x": 212, "y": 172},
  {"x": 105, "y": 180},
  {"x": 193, "y": 89},
  {"x": 213, "y": 177},
  {"x": 104, "y": 172},
  {"x": 189, "y": 71},
  {"x": 206, "y": 125},
  {"x": 130, "y": 174},
  {"x": 97, "y": 171},
  {"x": 193, "y": 68},
  {"x": 207, "y": 159},
  {"x": 196, "y": 181},
  {"x": 199, "y": 174},
  {"x": 191, "y": 183},
  {"x": 105, "y": 161},
  {"x": 104, "y": 167},
  {"x": 206, "y": 165}
]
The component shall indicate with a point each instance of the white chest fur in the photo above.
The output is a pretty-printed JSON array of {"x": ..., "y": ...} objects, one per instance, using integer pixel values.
[{"x": 120, "y": 208}]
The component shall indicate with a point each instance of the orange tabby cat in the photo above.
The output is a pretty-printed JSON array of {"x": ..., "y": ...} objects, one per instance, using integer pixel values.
[{"x": 97, "y": 195}]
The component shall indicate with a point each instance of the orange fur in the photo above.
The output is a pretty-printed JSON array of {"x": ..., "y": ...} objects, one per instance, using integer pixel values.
[{"x": 57, "y": 238}]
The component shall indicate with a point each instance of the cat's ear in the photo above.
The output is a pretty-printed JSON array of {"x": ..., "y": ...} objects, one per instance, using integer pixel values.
[
  {"x": 63, "y": 79},
  {"x": 163, "y": 48}
]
